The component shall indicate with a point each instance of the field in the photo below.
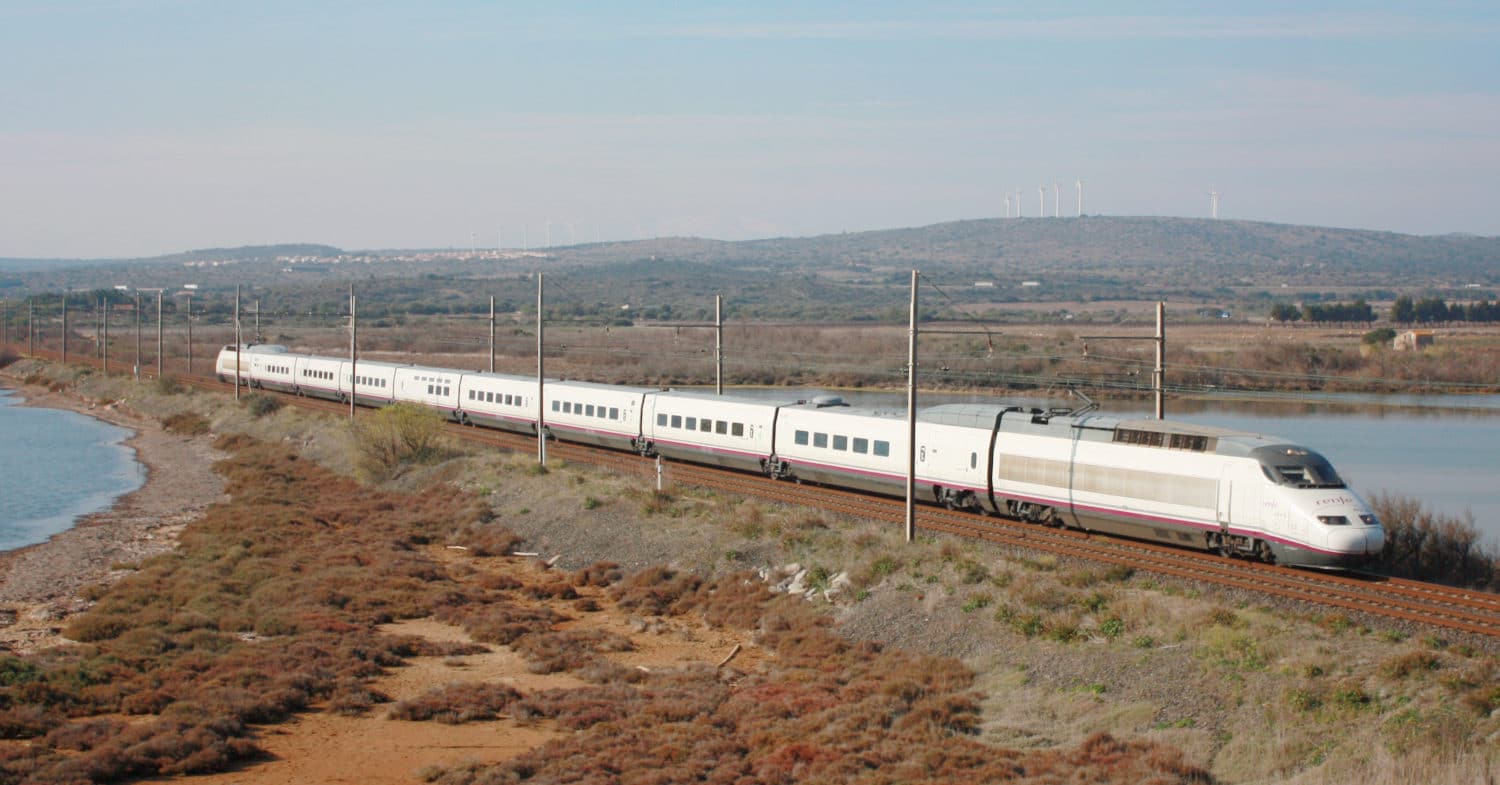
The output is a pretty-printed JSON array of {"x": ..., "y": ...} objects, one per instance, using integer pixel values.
[
  {"x": 1023, "y": 660},
  {"x": 1111, "y": 355}
]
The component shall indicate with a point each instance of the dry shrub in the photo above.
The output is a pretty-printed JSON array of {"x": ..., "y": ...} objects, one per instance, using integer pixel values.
[
  {"x": 457, "y": 703},
  {"x": 488, "y": 540},
  {"x": 567, "y": 650},
  {"x": 500, "y": 622},
  {"x": 653, "y": 591},
  {"x": 186, "y": 424},
  {"x": 600, "y": 574},
  {"x": 824, "y": 710},
  {"x": 262, "y": 404},
  {"x": 1432, "y": 546}
]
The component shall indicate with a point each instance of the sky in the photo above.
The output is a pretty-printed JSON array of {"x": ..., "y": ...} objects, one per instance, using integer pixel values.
[{"x": 141, "y": 127}]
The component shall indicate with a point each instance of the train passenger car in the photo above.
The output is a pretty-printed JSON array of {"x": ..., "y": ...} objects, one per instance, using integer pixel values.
[
  {"x": 867, "y": 450},
  {"x": 373, "y": 382},
  {"x": 498, "y": 400},
  {"x": 434, "y": 387},
  {"x": 835, "y": 445},
  {"x": 714, "y": 429},
  {"x": 319, "y": 377},
  {"x": 224, "y": 363},
  {"x": 606, "y": 415},
  {"x": 272, "y": 370}
]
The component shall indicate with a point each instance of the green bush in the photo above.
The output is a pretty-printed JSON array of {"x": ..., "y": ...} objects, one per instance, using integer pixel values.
[
  {"x": 261, "y": 404},
  {"x": 399, "y": 435}
]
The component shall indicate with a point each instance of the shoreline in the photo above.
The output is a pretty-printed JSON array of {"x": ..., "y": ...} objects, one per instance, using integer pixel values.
[{"x": 41, "y": 584}]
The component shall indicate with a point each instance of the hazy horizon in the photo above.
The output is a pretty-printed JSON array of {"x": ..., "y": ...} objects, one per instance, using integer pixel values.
[{"x": 136, "y": 128}]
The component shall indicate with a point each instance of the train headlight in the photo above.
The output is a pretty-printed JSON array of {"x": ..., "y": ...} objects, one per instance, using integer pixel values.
[
  {"x": 1369, "y": 520},
  {"x": 1333, "y": 520}
]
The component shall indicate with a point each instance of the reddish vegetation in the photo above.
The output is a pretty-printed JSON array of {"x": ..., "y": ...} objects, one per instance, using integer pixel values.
[
  {"x": 828, "y": 710},
  {"x": 271, "y": 604}
]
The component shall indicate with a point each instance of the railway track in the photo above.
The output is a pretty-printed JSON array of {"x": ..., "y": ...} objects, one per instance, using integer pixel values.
[{"x": 1402, "y": 600}]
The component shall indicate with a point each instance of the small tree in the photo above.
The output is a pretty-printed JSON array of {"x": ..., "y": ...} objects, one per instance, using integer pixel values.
[
  {"x": 396, "y": 436},
  {"x": 1284, "y": 312},
  {"x": 1403, "y": 311}
]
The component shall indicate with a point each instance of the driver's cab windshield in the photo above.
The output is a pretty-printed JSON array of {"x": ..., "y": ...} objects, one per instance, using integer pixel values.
[{"x": 1298, "y": 467}]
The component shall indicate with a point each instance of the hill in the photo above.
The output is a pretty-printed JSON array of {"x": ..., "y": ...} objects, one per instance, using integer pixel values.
[{"x": 987, "y": 262}]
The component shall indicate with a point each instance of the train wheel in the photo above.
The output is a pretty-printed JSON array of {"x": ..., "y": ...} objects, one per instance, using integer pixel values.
[{"x": 1263, "y": 552}]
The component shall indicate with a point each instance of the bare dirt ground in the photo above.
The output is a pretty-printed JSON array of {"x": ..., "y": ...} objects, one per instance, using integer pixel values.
[{"x": 325, "y": 747}]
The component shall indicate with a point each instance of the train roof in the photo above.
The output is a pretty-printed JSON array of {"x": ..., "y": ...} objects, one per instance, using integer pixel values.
[
  {"x": 1103, "y": 427},
  {"x": 604, "y": 387},
  {"x": 704, "y": 395}
]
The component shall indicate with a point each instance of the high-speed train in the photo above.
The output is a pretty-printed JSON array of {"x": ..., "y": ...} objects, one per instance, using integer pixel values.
[{"x": 1230, "y": 492}]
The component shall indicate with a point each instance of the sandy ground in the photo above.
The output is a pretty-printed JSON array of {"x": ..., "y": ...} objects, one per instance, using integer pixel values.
[{"x": 40, "y": 584}]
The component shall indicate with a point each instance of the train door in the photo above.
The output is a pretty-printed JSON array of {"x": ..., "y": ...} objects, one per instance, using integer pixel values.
[{"x": 1226, "y": 498}]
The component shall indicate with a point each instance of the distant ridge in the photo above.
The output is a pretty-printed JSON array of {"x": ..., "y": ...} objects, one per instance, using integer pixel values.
[
  {"x": 241, "y": 254},
  {"x": 1216, "y": 251},
  {"x": 1093, "y": 243}
]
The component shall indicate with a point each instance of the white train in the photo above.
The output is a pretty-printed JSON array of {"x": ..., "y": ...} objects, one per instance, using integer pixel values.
[{"x": 1219, "y": 490}]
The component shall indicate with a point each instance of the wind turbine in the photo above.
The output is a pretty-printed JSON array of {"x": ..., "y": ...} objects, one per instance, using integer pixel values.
[
  {"x": 1018, "y": 203},
  {"x": 1056, "y": 201},
  {"x": 1007, "y": 205},
  {"x": 1080, "y": 197},
  {"x": 1041, "y": 201},
  {"x": 1213, "y": 202}
]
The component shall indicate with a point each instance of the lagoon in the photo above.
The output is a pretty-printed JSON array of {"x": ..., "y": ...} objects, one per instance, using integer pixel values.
[{"x": 55, "y": 467}]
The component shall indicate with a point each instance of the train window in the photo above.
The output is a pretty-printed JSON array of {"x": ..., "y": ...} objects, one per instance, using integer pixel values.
[
  {"x": 489, "y": 397},
  {"x": 692, "y": 423},
  {"x": 556, "y": 407},
  {"x": 614, "y": 413},
  {"x": 737, "y": 429},
  {"x": 661, "y": 421},
  {"x": 721, "y": 427},
  {"x": 676, "y": 421},
  {"x": 1183, "y": 441},
  {"x": 471, "y": 395},
  {"x": 800, "y": 437},
  {"x": 841, "y": 443},
  {"x": 882, "y": 449},
  {"x": 447, "y": 391},
  {"x": 589, "y": 410},
  {"x": 1133, "y": 436},
  {"x": 705, "y": 425},
  {"x": 973, "y": 460},
  {"x": 861, "y": 446},
  {"x": 820, "y": 440},
  {"x": 429, "y": 389}
]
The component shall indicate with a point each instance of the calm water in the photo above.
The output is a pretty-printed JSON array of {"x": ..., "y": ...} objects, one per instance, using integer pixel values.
[
  {"x": 56, "y": 466},
  {"x": 1443, "y": 450}
]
